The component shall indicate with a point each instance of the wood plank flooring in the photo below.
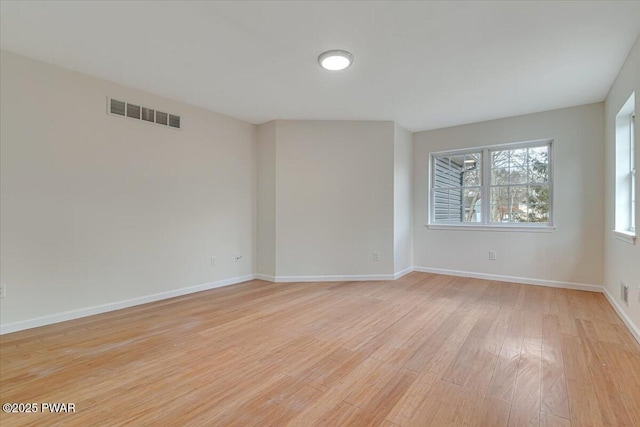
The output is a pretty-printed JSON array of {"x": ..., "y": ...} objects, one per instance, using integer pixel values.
[{"x": 424, "y": 350}]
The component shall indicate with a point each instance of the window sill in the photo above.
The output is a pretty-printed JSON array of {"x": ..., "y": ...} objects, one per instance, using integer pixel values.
[
  {"x": 625, "y": 236},
  {"x": 518, "y": 228}
]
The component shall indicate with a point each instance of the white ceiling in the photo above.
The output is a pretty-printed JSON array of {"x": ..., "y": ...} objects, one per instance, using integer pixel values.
[{"x": 425, "y": 65}]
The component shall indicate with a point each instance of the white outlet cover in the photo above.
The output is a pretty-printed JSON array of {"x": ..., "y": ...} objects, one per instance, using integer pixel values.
[{"x": 624, "y": 293}]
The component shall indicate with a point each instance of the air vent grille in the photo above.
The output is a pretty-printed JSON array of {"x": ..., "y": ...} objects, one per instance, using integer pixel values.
[
  {"x": 162, "y": 118},
  {"x": 133, "y": 111},
  {"x": 148, "y": 114},
  {"x": 174, "y": 121},
  {"x": 117, "y": 107}
]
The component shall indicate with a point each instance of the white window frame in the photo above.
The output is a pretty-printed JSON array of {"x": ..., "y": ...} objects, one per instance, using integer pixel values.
[
  {"x": 485, "y": 188},
  {"x": 624, "y": 227},
  {"x": 633, "y": 177}
]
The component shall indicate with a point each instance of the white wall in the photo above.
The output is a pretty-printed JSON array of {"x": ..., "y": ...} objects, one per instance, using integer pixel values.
[
  {"x": 266, "y": 242},
  {"x": 333, "y": 192},
  {"x": 622, "y": 260},
  {"x": 402, "y": 199},
  {"x": 334, "y": 185},
  {"x": 573, "y": 251},
  {"x": 98, "y": 209}
]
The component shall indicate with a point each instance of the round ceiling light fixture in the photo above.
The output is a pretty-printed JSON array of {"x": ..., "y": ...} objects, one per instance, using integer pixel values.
[{"x": 335, "y": 60}]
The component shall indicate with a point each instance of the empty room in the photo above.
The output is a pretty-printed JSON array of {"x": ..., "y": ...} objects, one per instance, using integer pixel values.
[{"x": 319, "y": 213}]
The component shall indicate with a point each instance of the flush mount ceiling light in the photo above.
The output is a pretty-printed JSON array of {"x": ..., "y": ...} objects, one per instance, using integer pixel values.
[{"x": 335, "y": 60}]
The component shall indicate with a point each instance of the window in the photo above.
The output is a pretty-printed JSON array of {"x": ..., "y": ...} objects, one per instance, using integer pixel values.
[
  {"x": 457, "y": 194},
  {"x": 500, "y": 186},
  {"x": 632, "y": 157},
  {"x": 625, "y": 179}
]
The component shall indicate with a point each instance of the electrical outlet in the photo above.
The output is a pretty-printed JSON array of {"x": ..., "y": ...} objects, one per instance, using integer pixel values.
[
  {"x": 213, "y": 261},
  {"x": 375, "y": 255},
  {"x": 238, "y": 258},
  {"x": 3, "y": 290},
  {"x": 492, "y": 255}
]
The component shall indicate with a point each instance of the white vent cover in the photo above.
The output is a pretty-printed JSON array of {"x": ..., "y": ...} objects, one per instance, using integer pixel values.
[{"x": 137, "y": 112}]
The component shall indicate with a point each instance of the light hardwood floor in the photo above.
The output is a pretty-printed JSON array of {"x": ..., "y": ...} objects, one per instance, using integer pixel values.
[{"x": 423, "y": 350}]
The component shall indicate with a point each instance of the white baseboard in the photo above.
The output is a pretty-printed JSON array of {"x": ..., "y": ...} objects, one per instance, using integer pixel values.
[
  {"x": 404, "y": 272},
  {"x": 337, "y": 278},
  {"x": 90, "y": 311},
  {"x": 345, "y": 278},
  {"x": 635, "y": 331},
  {"x": 514, "y": 279}
]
